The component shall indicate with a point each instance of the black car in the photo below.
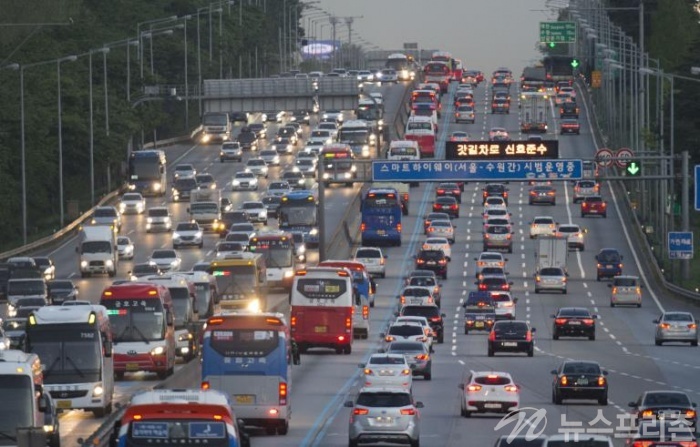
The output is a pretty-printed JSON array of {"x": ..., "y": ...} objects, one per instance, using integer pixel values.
[
  {"x": 520, "y": 441},
  {"x": 609, "y": 263},
  {"x": 300, "y": 116},
  {"x": 448, "y": 205},
  {"x": 667, "y": 405},
  {"x": 183, "y": 187},
  {"x": 420, "y": 273},
  {"x": 287, "y": 132},
  {"x": 238, "y": 116},
  {"x": 231, "y": 217},
  {"x": 145, "y": 269},
  {"x": 573, "y": 322},
  {"x": 434, "y": 260},
  {"x": 494, "y": 190},
  {"x": 259, "y": 128},
  {"x": 61, "y": 290},
  {"x": 5, "y": 272},
  {"x": 248, "y": 139},
  {"x": 568, "y": 110},
  {"x": 479, "y": 312},
  {"x": 493, "y": 283},
  {"x": 579, "y": 380},
  {"x": 431, "y": 313},
  {"x": 663, "y": 433},
  {"x": 511, "y": 336},
  {"x": 449, "y": 189},
  {"x": 272, "y": 203}
]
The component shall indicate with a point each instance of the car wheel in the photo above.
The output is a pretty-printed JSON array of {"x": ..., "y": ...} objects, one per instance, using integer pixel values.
[
  {"x": 603, "y": 400},
  {"x": 531, "y": 352},
  {"x": 583, "y": 215},
  {"x": 557, "y": 399},
  {"x": 428, "y": 376},
  {"x": 555, "y": 336},
  {"x": 658, "y": 342},
  {"x": 221, "y": 159},
  {"x": 591, "y": 337},
  {"x": 490, "y": 352},
  {"x": 694, "y": 343},
  {"x": 466, "y": 331},
  {"x": 510, "y": 249},
  {"x": 605, "y": 216},
  {"x": 441, "y": 338},
  {"x": 537, "y": 290},
  {"x": 612, "y": 304},
  {"x": 564, "y": 291},
  {"x": 201, "y": 244},
  {"x": 352, "y": 443}
]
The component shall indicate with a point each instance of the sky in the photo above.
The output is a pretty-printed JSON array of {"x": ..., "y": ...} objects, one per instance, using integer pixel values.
[{"x": 484, "y": 34}]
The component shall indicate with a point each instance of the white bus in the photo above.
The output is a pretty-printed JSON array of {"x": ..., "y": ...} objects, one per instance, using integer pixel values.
[{"x": 74, "y": 344}]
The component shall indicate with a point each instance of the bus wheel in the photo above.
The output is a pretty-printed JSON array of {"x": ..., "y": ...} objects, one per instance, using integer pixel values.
[
  {"x": 283, "y": 429},
  {"x": 119, "y": 375},
  {"x": 339, "y": 350},
  {"x": 347, "y": 350},
  {"x": 162, "y": 374},
  {"x": 271, "y": 431}
]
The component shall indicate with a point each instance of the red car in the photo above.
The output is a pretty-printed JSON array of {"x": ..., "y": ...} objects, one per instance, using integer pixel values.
[
  {"x": 449, "y": 189},
  {"x": 569, "y": 126},
  {"x": 447, "y": 205},
  {"x": 594, "y": 205}
]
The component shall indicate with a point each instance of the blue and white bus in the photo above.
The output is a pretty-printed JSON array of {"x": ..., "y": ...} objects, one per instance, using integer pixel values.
[
  {"x": 147, "y": 172},
  {"x": 248, "y": 356},
  {"x": 298, "y": 212},
  {"x": 381, "y": 217}
]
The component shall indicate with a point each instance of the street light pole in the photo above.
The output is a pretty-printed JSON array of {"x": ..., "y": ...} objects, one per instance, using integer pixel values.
[{"x": 60, "y": 133}]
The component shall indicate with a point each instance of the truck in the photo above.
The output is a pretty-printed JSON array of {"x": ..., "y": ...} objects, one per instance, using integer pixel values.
[
  {"x": 97, "y": 251},
  {"x": 25, "y": 403},
  {"x": 534, "y": 79},
  {"x": 205, "y": 208},
  {"x": 401, "y": 188},
  {"x": 534, "y": 112},
  {"x": 216, "y": 126},
  {"x": 551, "y": 252}
]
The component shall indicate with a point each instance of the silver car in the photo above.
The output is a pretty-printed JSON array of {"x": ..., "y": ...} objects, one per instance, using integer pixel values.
[
  {"x": 257, "y": 166},
  {"x": 676, "y": 326},
  {"x": 625, "y": 290},
  {"x": 384, "y": 414},
  {"x": 551, "y": 278},
  {"x": 271, "y": 157},
  {"x": 387, "y": 370},
  {"x": 107, "y": 215},
  {"x": 498, "y": 237},
  {"x": 574, "y": 234},
  {"x": 417, "y": 355},
  {"x": 256, "y": 210}
]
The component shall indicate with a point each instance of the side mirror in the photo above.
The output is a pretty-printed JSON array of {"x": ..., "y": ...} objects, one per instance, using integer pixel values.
[
  {"x": 632, "y": 404},
  {"x": 360, "y": 365},
  {"x": 188, "y": 210},
  {"x": 515, "y": 300},
  {"x": 386, "y": 256},
  {"x": 396, "y": 314},
  {"x": 398, "y": 297},
  {"x": 510, "y": 283},
  {"x": 655, "y": 321},
  {"x": 381, "y": 351},
  {"x": 610, "y": 286},
  {"x": 382, "y": 334},
  {"x": 596, "y": 257},
  {"x": 443, "y": 315},
  {"x": 554, "y": 371},
  {"x": 419, "y": 404},
  {"x": 605, "y": 372},
  {"x": 77, "y": 249},
  {"x": 348, "y": 404},
  {"x": 43, "y": 403},
  {"x": 595, "y": 316},
  {"x": 108, "y": 348},
  {"x": 552, "y": 316},
  {"x": 622, "y": 257},
  {"x": 169, "y": 320},
  {"x": 506, "y": 259},
  {"x": 533, "y": 330}
]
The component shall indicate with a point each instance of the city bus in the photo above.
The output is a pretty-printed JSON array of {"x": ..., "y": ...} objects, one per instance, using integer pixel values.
[
  {"x": 338, "y": 164},
  {"x": 143, "y": 328},
  {"x": 148, "y": 173},
  {"x": 179, "y": 417},
  {"x": 75, "y": 345},
  {"x": 298, "y": 212},
  {"x": 206, "y": 293},
  {"x": 438, "y": 73},
  {"x": 364, "y": 288},
  {"x": 248, "y": 356},
  {"x": 403, "y": 65},
  {"x": 241, "y": 279},
  {"x": 381, "y": 217},
  {"x": 360, "y": 135},
  {"x": 455, "y": 65},
  {"x": 279, "y": 252},
  {"x": 322, "y": 304}
]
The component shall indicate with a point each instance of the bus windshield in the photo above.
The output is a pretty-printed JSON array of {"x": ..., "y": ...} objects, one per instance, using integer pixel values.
[
  {"x": 136, "y": 320},
  {"x": 354, "y": 136},
  {"x": 68, "y": 355},
  {"x": 381, "y": 200},
  {"x": 368, "y": 112},
  {"x": 181, "y": 305},
  {"x": 298, "y": 215},
  {"x": 145, "y": 168},
  {"x": 321, "y": 288},
  {"x": 244, "y": 342},
  {"x": 17, "y": 392},
  {"x": 215, "y": 119},
  {"x": 203, "y": 298},
  {"x": 403, "y": 151},
  {"x": 278, "y": 253},
  {"x": 236, "y": 279},
  {"x": 436, "y": 68}
]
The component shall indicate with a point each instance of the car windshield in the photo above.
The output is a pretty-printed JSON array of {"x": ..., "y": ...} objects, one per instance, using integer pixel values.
[
  {"x": 543, "y": 221},
  {"x": 187, "y": 227},
  {"x": 498, "y": 229},
  {"x": 59, "y": 285},
  {"x": 517, "y": 328},
  {"x": 420, "y": 311},
  {"x": 163, "y": 254},
  {"x": 440, "y": 223},
  {"x": 252, "y": 205},
  {"x": 666, "y": 398},
  {"x": 384, "y": 400},
  {"x": 423, "y": 281},
  {"x": 242, "y": 227},
  {"x": 625, "y": 282},
  {"x": 105, "y": 212},
  {"x": 144, "y": 269},
  {"x": 431, "y": 254},
  {"x": 131, "y": 197},
  {"x": 581, "y": 368},
  {"x": 245, "y": 175},
  {"x": 492, "y": 379},
  {"x": 268, "y": 153},
  {"x": 593, "y": 199},
  {"x": 500, "y": 297},
  {"x": 678, "y": 317},
  {"x": 415, "y": 291},
  {"x": 568, "y": 229},
  {"x": 571, "y": 312},
  {"x": 405, "y": 346},
  {"x": 608, "y": 256},
  {"x": 160, "y": 212},
  {"x": 490, "y": 257},
  {"x": 387, "y": 360},
  {"x": 405, "y": 330},
  {"x": 256, "y": 162},
  {"x": 122, "y": 240},
  {"x": 551, "y": 271},
  {"x": 367, "y": 254}
]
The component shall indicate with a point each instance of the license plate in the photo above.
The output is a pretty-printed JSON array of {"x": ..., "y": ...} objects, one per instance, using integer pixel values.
[
  {"x": 381, "y": 232},
  {"x": 430, "y": 262},
  {"x": 479, "y": 324},
  {"x": 244, "y": 399},
  {"x": 132, "y": 366},
  {"x": 384, "y": 420},
  {"x": 321, "y": 329},
  {"x": 582, "y": 382},
  {"x": 63, "y": 404},
  {"x": 492, "y": 405},
  {"x": 574, "y": 323},
  {"x": 510, "y": 343},
  {"x": 416, "y": 300}
]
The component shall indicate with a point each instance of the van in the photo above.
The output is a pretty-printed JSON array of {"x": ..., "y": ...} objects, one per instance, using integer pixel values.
[
  {"x": 416, "y": 122},
  {"x": 625, "y": 290},
  {"x": 403, "y": 150}
]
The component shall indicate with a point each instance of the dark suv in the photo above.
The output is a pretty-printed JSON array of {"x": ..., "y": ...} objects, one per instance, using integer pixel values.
[
  {"x": 431, "y": 313},
  {"x": 568, "y": 110},
  {"x": 248, "y": 139},
  {"x": 434, "y": 260},
  {"x": 511, "y": 336},
  {"x": 495, "y": 190},
  {"x": 609, "y": 263}
]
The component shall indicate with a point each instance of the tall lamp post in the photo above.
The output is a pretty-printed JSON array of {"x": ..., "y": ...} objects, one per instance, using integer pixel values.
[
  {"x": 16, "y": 67},
  {"x": 72, "y": 58},
  {"x": 104, "y": 52},
  {"x": 140, "y": 34}
]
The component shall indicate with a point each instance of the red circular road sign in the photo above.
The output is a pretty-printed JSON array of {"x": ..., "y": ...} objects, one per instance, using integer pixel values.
[
  {"x": 604, "y": 157},
  {"x": 624, "y": 156}
]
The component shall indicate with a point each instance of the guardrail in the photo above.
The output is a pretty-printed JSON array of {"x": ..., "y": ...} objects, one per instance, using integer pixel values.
[
  {"x": 76, "y": 223},
  {"x": 648, "y": 257}
]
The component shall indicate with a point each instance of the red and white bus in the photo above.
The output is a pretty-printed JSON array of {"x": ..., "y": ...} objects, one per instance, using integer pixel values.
[
  {"x": 438, "y": 72},
  {"x": 338, "y": 164},
  {"x": 143, "y": 328},
  {"x": 322, "y": 305},
  {"x": 278, "y": 249},
  {"x": 454, "y": 64}
]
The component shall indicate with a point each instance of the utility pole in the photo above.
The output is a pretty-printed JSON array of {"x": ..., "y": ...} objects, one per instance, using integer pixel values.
[{"x": 334, "y": 22}]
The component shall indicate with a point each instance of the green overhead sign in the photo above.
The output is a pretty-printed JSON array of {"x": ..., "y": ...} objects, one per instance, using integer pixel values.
[{"x": 557, "y": 32}]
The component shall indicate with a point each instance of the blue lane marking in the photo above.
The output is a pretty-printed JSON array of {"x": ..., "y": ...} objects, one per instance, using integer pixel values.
[{"x": 323, "y": 421}]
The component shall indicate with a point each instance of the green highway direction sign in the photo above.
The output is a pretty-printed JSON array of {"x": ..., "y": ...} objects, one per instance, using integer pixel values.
[{"x": 557, "y": 32}]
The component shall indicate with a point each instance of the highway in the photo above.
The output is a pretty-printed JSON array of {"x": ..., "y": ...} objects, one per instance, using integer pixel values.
[
  {"x": 78, "y": 424},
  {"x": 624, "y": 344}
]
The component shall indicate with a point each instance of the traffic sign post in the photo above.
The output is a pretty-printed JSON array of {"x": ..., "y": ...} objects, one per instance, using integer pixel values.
[
  {"x": 558, "y": 32},
  {"x": 623, "y": 156},
  {"x": 482, "y": 170},
  {"x": 697, "y": 187},
  {"x": 604, "y": 157},
  {"x": 680, "y": 245}
]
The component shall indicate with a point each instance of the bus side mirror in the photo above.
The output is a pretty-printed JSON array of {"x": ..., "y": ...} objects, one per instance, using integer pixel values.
[
  {"x": 44, "y": 403},
  {"x": 169, "y": 320},
  {"x": 107, "y": 347},
  {"x": 77, "y": 249}
]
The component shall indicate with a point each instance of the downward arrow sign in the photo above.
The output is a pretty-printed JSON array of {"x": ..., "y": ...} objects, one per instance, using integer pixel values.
[{"x": 633, "y": 168}]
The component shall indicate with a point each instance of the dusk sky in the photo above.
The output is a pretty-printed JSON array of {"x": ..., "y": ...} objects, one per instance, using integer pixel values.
[{"x": 484, "y": 34}]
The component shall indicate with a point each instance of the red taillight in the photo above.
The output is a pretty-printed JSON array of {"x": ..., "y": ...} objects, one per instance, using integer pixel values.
[
  {"x": 431, "y": 229},
  {"x": 420, "y": 261},
  {"x": 601, "y": 381},
  {"x": 405, "y": 372},
  {"x": 560, "y": 321},
  {"x": 441, "y": 191},
  {"x": 365, "y": 312},
  {"x": 588, "y": 321},
  {"x": 408, "y": 411},
  {"x": 473, "y": 388},
  {"x": 689, "y": 414},
  {"x": 368, "y": 372},
  {"x": 422, "y": 357},
  {"x": 206, "y": 385},
  {"x": 454, "y": 207},
  {"x": 363, "y": 227},
  {"x": 283, "y": 393},
  {"x": 360, "y": 411},
  {"x": 528, "y": 336},
  {"x": 664, "y": 325},
  {"x": 692, "y": 326},
  {"x": 482, "y": 287},
  {"x": 584, "y": 204},
  {"x": 492, "y": 336},
  {"x": 348, "y": 322},
  {"x": 533, "y": 193},
  {"x": 398, "y": 228},
  {"x": 442, "y": 262},
  {"x": 511, "y": 388},
  {"x": 294, "y": 322}
]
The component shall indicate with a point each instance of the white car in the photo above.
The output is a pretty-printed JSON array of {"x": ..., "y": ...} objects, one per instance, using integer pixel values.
[
  {"x": 132, "y": 203},
  {"x": 423, "y": 321},
  {"x": 574, "y": 234},
  {"x": 504, "y": 304},
  {"x": 488, "y": 392},
  {"x": 417, "y": 295},
  {"x": 390, "y": 370},
  {"x": 374, "y": 260},
  {"x": 335, "y": 115},
  {"x": 496, "y": 212},
  {"x": 313, "y": 147},
  {"x": 125, "y": 248},
  {"x": 256, "y": 210},
  {"x": 442, "y": 228},
  {"x": 283, "y": 146},
  {"x": 271, "y": 157},
  {"x": 159, "y": 218},
  {"x": 306, "y": 166},
  {"x": 242, "y": 228},
  {"x": 166, "y": 259},
  {"x": 225, "y": 248},
  {"x": 489, "y": 259},
  {"x": 257, "y": 166},
  {"x": 278, "y": 189},
  {"x": 498, "y": 221},
  {"x": 365, "y": 76},
  {"x": 378, "y": 97},
  {"x": 495, "y": 202},
  {"x": 184, "y": 171},
  {"x": 542, "y": 226},
  {"x": 406, "y": 331},
  {"x": 438, "y": 243},
  {"x": 244, "y": 181},
  {"x": 188, "y": 233}
]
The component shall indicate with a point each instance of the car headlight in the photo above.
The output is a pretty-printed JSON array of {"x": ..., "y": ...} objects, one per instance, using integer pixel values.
[
  {"x": 365, "y": 151},
  {"x": 122, "y": 207},
  {"x": 301, "y": 249},
  {"x": 149, "y": 220},
  {"x": 212, "y": 186},
  {"x": 158, "y": 350},
  {"x": 288, "y": 273},
  {"x": 185, "y": 337},
  {"x": 348, "y": 175},
  {"x": 236, "y": 182},
  {"x": 98, "y": 391},
  {"x": 157, "y": 186},
  {"x": 353, "y": 168},
  {"x": 199, "y": 233},
  {"x": 83, "y": 264},
  {"x": 326, "y": 176},
  {"x": 109, "y": 263},
  {"x": 173, "y": 262},
  {"x": 313, "y": 232},
  {"x": 176, "y": 235},
  {"x": 254, "y": 306}
]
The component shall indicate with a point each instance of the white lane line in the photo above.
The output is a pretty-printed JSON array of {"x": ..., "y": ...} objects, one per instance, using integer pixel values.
[
  {"x": 568, "y": 212},
  {"x": 461, "y": 362}
]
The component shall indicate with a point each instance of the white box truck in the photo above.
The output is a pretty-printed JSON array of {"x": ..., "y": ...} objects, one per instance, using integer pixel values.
[
  {"x": 551, "y": 252},
  {"x": 205, "y": 208},
  {"x": 534, "y": 112},
  {"x": 98, "y": 251}
]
